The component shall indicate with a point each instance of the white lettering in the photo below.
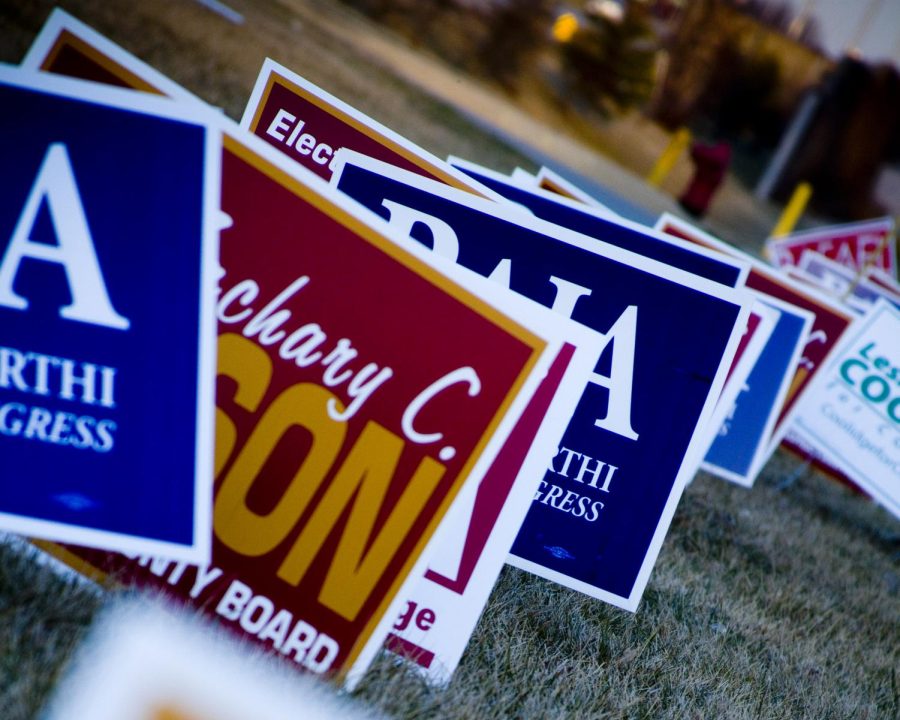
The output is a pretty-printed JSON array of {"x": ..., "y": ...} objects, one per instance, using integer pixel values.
[
  {"x": 403, "y": 219},
  {"x": 234, "y": 600},
  {"x": 322, "y": 154},
  {"x": 360, "y": 389},
  {"x": 299, "y": 641},
  {"x": 301, "y": 345},
  {"x": 267, "y": 321},
  {"x": 623, "y": 336},
  {"x": 306, "y": 143},
  {"x": 266, "y": 610},
  {"x": 295, "y": 132},
  {"x": 205, "y": 577},
  {"x": 244, "y": 292},
  {"x": 465, "y": 375},
  {"x": 74, "y": 250},
  {"x": 567, "y": 294},
  {"x": 277, "y": 629},
  {"x": 12, "y": 362},
  {"x": 69, "y": 380},
  {"x": 595, "y": 472},
  {"x": 278, "y": 126}
]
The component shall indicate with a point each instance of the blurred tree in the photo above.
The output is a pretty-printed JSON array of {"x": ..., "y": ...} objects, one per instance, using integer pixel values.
[
  {"x": 855, "y": 130},
  {"x": 516, "y": 29},
  {"x": 782, "y": 16},
  {"x": 610, "y": 60},
  {"x": 689, "y": 58},
  {"x": 739, "y": 98}
]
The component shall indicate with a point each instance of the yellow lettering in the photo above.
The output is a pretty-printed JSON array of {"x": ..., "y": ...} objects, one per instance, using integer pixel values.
[
  {"x": 366, "y": 474},
  {"x": 253, "y": 534},
  {"x": 247, "y": 364},
  {"x": 360, "y": 484}
]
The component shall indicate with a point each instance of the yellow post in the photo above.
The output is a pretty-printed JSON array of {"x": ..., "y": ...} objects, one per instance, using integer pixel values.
[
  {"x": 793, "y": 210},
  {"x": 677, "y": 145}
]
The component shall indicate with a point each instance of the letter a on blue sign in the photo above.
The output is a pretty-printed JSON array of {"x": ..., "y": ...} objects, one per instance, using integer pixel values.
[{"x": 107, "y": 334}]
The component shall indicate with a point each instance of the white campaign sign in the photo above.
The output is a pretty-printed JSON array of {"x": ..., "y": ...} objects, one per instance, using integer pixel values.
[{"x": 851, "y": 413}]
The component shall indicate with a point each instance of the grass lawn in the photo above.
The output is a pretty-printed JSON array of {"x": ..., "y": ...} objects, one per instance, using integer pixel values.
[{"x": 778, "y": 602}]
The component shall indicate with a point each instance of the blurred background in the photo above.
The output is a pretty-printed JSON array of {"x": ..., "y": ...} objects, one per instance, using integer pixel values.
[{"x": 796, "y": 90}]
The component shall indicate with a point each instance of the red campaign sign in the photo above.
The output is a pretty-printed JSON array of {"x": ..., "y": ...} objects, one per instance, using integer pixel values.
[
  {"x": 828, "y": 322},
  {"x": 310, "y": 126},
  {"x": 308, "y": 547},
  {"x": 853, "y": 245},
  {"x": 753, "y": 321},
  {"x": 490, "y": 499},
  {"x": 827, "y": 328},
  {"x": 883, "y": 281},
  {"x": 497, "y": 483},
  {"x": 329, "y": 379}
]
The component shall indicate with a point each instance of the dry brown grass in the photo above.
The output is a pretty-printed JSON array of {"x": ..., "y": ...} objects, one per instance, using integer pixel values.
[{"x": 779, "y": 602}]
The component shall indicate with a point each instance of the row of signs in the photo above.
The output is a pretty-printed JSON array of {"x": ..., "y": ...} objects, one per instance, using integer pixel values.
[{"x": 338, "y": 382}]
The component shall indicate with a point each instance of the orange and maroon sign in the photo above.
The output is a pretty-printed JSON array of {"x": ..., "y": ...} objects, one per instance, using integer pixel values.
[
  {"x": 309, "y": 125},
  {"x": 354, "y": 398}
]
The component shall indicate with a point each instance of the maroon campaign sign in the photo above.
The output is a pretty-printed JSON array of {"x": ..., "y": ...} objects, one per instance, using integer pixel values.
[
  {"x": 753, "y": 323},
  {"x": 443, "y": 609},
  {"x": 283, "y": 110},
  {"x": 432, "y": 613},
  {"x": 309, "y": 125},
  {"x": 348, "y": 417},
  {"x": 855, "y": 245}
]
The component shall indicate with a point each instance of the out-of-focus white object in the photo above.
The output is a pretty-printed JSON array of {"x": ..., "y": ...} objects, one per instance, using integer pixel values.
[{"x": 146, "y": 662}]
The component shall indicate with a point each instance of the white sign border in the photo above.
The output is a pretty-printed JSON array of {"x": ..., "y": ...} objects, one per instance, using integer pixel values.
[{"x": 845, "y": 465}]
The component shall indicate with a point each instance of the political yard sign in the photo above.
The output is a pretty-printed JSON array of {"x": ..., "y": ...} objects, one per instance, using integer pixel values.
[
  {"x": 349, "y": 417},
  {"x": 285, "y": 110},
  {"x": 596, "y": 223},
  {"x": 743, "y": 442},
  {"x": 568, "y": 211},
  {"x": 840, "y": 281},
  {"x": 141, "y": 661},
  {"x": 854, "y": 245},
  {"x": 851, "y": 413},
  {"x": 310, "y": 125},
  {"x": 603, "y": 508},
  {"x": 829, "y": 318},
  {"x": 108, "y": 255},
  {"x": 443, "y": 608}
]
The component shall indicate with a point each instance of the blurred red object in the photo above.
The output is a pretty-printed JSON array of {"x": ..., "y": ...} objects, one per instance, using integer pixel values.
[{"x": 710, "y": 164}]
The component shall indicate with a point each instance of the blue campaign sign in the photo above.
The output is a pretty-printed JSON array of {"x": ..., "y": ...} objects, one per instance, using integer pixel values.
[
  {"x": 619, "y": 232},
  {"x": 745, "y": 441},
  {"x": 107, "y": 283},
  {"x": 603, "y": 508}
]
